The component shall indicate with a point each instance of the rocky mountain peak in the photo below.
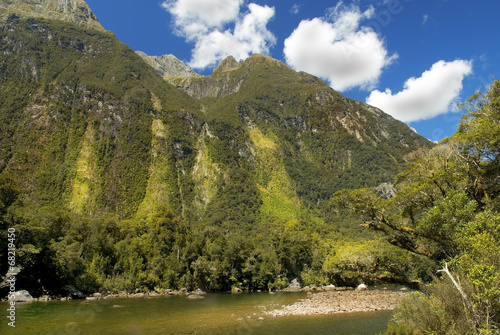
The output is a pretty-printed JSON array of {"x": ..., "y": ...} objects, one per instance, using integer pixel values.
[
  {"x": 227, "y": 64},
  {"x": 168, "y": 65},
  {"x": 72, "y": 11}
]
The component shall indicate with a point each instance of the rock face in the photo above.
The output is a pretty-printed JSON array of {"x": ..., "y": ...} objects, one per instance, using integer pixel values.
[
  {"x": 168, "y": 65},
  {"x": 386, "y": 190},
  {"x": 73, "y": 11},
  {"x": 226, "y": 79}
]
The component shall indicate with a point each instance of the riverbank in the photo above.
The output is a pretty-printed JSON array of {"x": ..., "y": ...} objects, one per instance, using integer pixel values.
[
  {"x": 25, "y": 296},
  {"x": 346, "y": 301}
]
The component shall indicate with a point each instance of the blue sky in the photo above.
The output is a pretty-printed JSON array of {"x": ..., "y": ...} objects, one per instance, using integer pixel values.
[{"x": 414, "y": 59}]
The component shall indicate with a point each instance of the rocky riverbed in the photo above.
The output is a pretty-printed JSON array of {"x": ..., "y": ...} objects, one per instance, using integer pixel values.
[{"x": 342, "y": 302}]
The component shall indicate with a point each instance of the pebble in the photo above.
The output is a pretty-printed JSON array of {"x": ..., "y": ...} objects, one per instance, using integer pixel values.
[{"x": 342, "y": 302}]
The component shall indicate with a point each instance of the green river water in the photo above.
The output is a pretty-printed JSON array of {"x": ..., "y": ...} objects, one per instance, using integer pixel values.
[{"x": 217, "y": 313}]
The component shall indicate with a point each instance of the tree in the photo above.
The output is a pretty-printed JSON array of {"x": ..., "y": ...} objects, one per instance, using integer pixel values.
[{"x": 446, "y": 208}]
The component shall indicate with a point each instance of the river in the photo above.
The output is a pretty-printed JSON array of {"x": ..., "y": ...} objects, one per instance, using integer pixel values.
[{"x": 217, "y": 313}]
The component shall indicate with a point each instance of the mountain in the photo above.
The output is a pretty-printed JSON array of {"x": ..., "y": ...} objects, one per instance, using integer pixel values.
[
  {"x": 90, "y": 131},
  {"x": 92, "y": 117}
]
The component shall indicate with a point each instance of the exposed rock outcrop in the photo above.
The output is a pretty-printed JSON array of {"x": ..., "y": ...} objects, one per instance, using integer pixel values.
[
  {"x": 168, "y": 65},
  {"x": 73, "y": 11},
  {"x": 385, "y": 190}
]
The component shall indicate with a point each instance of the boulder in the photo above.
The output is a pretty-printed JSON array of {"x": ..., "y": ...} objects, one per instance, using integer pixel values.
[
  {"x": 294, "y": 286},
  {"x": 21, "y": 296},
  {"x": 45, "y": 298},
  {"x": 235, "y": 289},
  {"x": 153, "y": 294},
  {"x": 295, "y": 283},
  {"x": 199, "y": 292},
  {"x": 362, "y": 287},
  {"x": 74, "y": 293}
]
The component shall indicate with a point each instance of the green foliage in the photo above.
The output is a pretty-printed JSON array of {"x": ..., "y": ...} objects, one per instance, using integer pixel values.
[{"x": 448, "y": 211}]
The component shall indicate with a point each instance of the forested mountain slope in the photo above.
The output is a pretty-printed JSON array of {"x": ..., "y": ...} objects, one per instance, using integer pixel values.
[{"x": 120, "y": 177}]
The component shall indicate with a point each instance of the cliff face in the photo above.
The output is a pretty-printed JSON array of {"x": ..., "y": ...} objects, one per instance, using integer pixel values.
[
  {"x": 168, "y": 65},
  {"x": 72, "y": 11}
]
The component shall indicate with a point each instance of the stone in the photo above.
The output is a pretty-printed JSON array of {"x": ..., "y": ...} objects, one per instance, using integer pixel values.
[
  {"x": 45, "y": 298},
  {"x": 199, "y": 292},
  {"x": 21, "y": 296},
  {"x": 329, "y": 288},
  {"x": 153, "y": 294},
  {"x": 294, "y": 286},
  {"x": 74, "y": 293},
  {"x": 362, "y": 287},
  {"x": 235, "y": 289}
]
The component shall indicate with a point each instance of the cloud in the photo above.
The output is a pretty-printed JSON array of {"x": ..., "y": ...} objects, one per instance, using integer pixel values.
[
  {"x": 425, "y": 18},
  {"x": 425, "y": 97},
  {"x": 345, "y": 54},
  {"x": 295, "y": 9},
  {"x": 194, "y": 17},
  {"x": 205, "y": 22}
]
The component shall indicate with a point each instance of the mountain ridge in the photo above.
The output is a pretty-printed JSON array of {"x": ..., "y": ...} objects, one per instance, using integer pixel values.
[{"x": 258, "y": 101}]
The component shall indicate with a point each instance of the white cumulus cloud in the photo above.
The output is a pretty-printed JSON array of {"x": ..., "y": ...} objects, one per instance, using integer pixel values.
[
  {"x": 218, "y": 29},
  {"x": 193, "y": 17},
  {"x": 342, "y": 51},
  {"x": 430, "y": 95}
]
